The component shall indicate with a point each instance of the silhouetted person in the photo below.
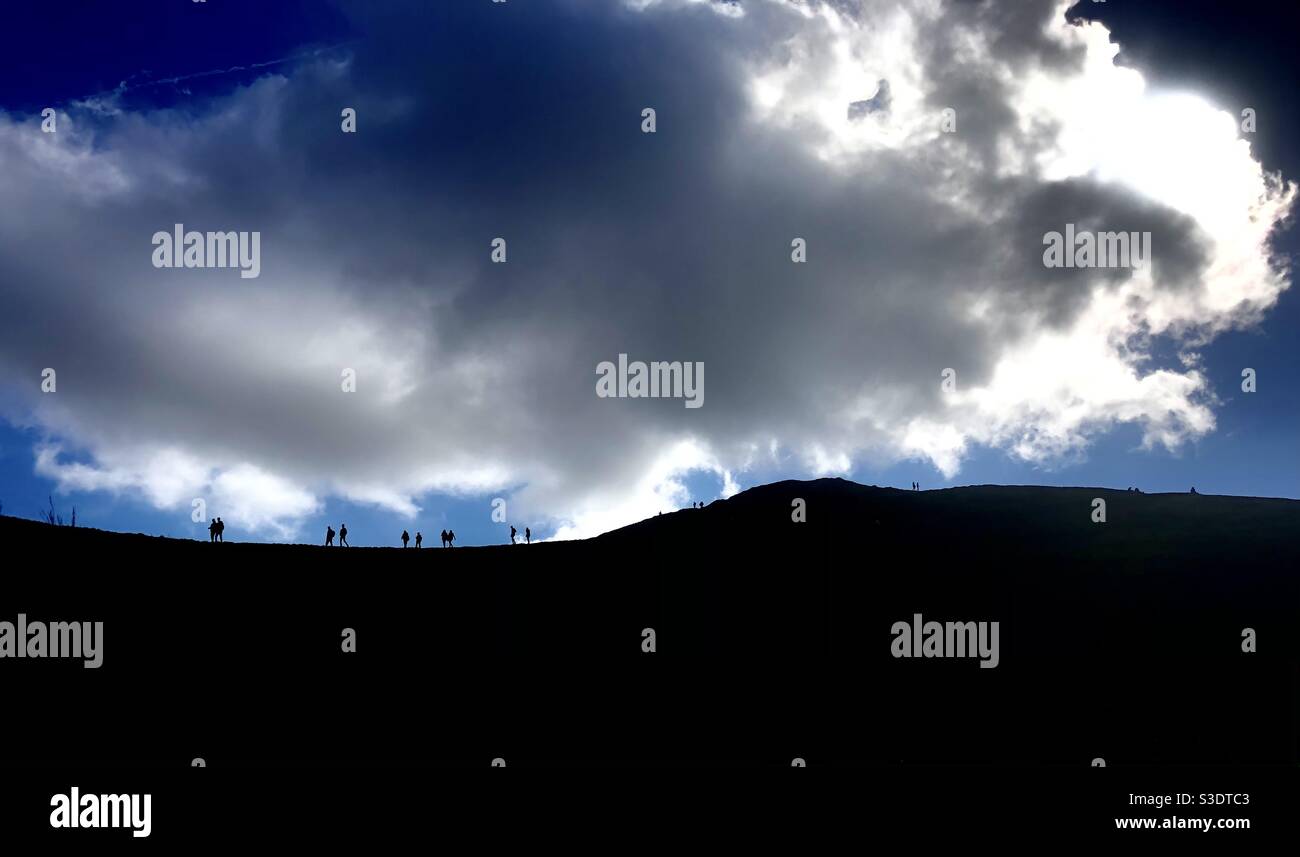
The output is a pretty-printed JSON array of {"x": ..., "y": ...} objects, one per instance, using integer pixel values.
[
  {"x": 343, "y": 535},
  {"x": 512, "y": 535},
  {"x": 418, "y": 538},
  {"x": 221, "y": 526},
  {"x": 444, "y": 538},
  {"x": 212, "y": 530},
  {"x": 528, "y": 536},
  {"x": 1193, "y": 489},
  {"x": 406, "y": 537},
  {"x": 451, "y": 538},
  {"x": 329, "y": 536}
]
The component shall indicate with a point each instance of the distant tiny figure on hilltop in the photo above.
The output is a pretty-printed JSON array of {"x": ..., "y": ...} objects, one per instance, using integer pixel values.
[
  {"x": 528, "y": 536},
  {"x": 212, "y": 530},
  {"x": 221, "y": 527},
  {"x": 329, "y": 536},
  {"x": 444, "y": 538},
  {"x": 418, "y": 538},
  {"x": 1193, "y": 489},
  {"x": 451, "y": 538},
  {"x": 343, "y": 535},
  {"x": 512, "y": 535},
  {"x": 406, "y": 537}
]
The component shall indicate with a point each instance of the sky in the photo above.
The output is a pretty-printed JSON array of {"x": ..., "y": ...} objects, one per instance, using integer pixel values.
[{"x": 977, "y": 129}]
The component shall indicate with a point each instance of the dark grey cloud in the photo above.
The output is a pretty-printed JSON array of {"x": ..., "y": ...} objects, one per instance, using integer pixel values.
[{"x": 924, "y": 252}]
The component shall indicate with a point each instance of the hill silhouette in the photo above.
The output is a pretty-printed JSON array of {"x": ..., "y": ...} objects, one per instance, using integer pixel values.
[{"x": 1120, "y": 640}]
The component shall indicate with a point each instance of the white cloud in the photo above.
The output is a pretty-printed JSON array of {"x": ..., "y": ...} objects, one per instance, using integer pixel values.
[
  {"x": 170, "y": 479},
  {"x": 476, "y": 378},
  {"x": 661, "y": 489}
]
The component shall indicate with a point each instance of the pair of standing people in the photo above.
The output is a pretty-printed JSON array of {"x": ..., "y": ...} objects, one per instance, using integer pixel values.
[
  {"x": 215, "y": 530},
  {"x": 343, "y": 535}
]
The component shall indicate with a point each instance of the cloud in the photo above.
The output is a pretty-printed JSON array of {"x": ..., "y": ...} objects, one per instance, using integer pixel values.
[
  {"x": 924, "y": 253},
  {"x": 172, "y": 479}
]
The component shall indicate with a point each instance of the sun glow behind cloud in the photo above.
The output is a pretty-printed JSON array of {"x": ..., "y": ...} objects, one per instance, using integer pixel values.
[{"x": 1049, "y": 392}]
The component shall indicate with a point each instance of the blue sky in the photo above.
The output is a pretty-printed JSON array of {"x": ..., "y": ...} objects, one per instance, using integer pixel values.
[{"x": 480, "y": 119}]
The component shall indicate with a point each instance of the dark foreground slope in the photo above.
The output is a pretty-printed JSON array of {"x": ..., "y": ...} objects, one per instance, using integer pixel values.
[{"x": 1119, "y": 640}]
